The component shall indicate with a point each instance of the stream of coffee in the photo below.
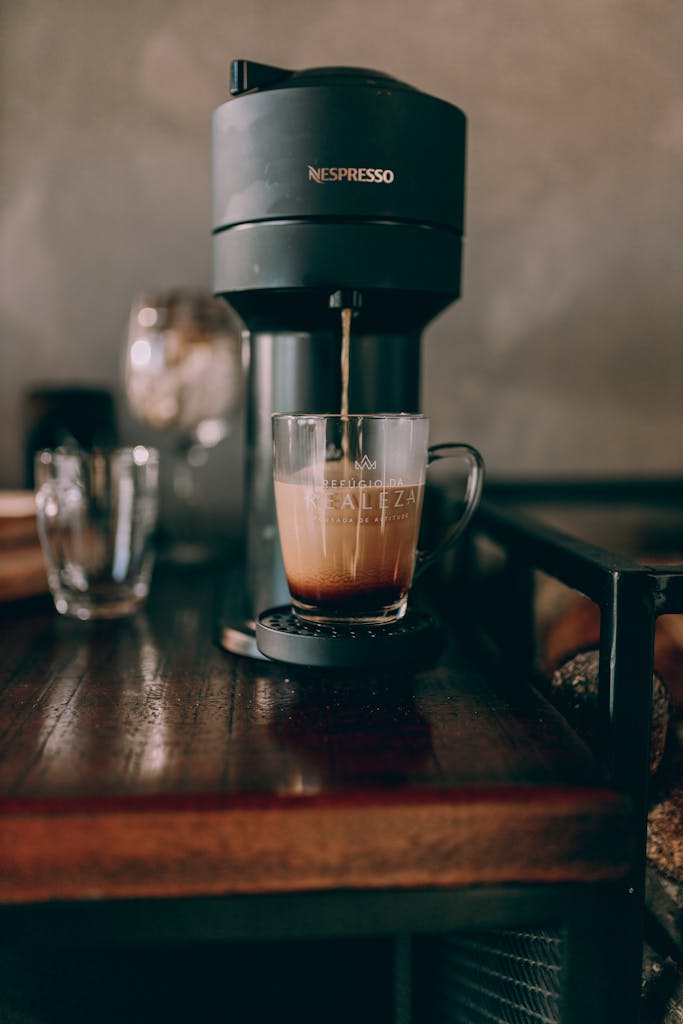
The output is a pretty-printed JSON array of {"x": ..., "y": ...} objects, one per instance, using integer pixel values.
[
  {"x": 345, "y": 351},
  {"x": 346, "y": 315}
]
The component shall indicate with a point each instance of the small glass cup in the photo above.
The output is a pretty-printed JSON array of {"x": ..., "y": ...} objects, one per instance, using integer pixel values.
[
  {"x": 97, "y": 512},
  {"x": 348, "y": 495}
]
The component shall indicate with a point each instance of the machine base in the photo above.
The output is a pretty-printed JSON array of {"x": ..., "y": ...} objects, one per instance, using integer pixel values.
[
  {"x": 239, "y": 638},
  {"x": 416, "y": 639},
  {"x": 236, "y": 631}
]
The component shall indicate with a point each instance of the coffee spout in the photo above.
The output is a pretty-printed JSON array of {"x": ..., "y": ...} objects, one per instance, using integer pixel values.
[{"x": 346, "y": 298}]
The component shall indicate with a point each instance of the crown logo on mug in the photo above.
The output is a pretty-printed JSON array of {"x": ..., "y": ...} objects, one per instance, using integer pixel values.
[{"x": 365, "y": 463}]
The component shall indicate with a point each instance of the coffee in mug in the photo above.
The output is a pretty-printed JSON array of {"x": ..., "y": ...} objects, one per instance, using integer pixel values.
[{"x": 349, "y": 492}]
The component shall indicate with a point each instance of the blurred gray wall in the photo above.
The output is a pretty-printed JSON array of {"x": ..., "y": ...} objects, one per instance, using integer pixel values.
[{"x": 564, "y": 355}]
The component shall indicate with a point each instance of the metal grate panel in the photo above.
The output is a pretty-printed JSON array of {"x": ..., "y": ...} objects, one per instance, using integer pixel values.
[{"x": 502, "y": 977}]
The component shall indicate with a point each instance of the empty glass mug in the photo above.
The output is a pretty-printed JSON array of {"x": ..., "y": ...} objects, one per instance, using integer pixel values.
[
  {"x": 96, "y": 515},
  {"x": 348, "y": 494}
]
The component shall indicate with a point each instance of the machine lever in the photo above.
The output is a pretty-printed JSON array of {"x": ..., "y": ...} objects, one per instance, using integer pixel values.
[{"x": 246, "y": 75}]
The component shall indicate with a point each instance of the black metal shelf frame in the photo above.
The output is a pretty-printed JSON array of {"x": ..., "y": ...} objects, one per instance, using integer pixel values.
[{"x": 630, "y": 597}]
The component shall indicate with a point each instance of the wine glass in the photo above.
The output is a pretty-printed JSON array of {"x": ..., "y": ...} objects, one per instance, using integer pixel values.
[{"x": 183, "y": 376}]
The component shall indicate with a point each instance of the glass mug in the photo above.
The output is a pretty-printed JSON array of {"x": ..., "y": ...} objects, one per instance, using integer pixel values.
[
  {"x": 348, "y": 496},
  {"x": 96, "y": 515}
]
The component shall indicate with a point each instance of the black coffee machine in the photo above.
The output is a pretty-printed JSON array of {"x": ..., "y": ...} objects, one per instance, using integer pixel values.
[{"x": 332, "y": 188}]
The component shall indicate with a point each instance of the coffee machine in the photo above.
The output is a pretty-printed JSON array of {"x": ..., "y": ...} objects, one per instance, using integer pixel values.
[{"x": 333, "y": 188}]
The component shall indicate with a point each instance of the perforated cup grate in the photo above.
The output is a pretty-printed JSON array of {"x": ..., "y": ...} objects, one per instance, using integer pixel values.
[
  {"x": 284, "y": 620},
  {"x": 281, "y": 635}
]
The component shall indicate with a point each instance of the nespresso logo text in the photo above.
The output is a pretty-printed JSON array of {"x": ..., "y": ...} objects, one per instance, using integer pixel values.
[{"x": 370, "y": 174}]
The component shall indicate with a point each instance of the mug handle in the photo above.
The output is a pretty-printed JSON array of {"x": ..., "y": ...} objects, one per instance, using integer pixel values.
[{"x": 475, "y": 483}]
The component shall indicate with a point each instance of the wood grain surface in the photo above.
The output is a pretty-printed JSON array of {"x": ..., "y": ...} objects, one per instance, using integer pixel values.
[{"x": 137, "y": 758}]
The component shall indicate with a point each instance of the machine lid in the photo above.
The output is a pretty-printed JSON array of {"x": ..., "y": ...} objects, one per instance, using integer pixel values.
[{"x": 248, "y": 76}]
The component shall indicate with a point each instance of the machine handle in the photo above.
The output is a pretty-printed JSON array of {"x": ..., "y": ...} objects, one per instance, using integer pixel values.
[{"x": 246, "y": 75}]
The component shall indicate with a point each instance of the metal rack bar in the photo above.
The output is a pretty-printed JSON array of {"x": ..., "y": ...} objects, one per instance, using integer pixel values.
[{"x": 630, "y": 597}]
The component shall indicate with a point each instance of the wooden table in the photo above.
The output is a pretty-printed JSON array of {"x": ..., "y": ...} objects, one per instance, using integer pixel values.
[{"x": 143, "y": 766}]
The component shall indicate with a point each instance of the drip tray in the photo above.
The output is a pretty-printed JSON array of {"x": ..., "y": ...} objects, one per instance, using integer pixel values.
[{"x": 416, "y": 639}]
